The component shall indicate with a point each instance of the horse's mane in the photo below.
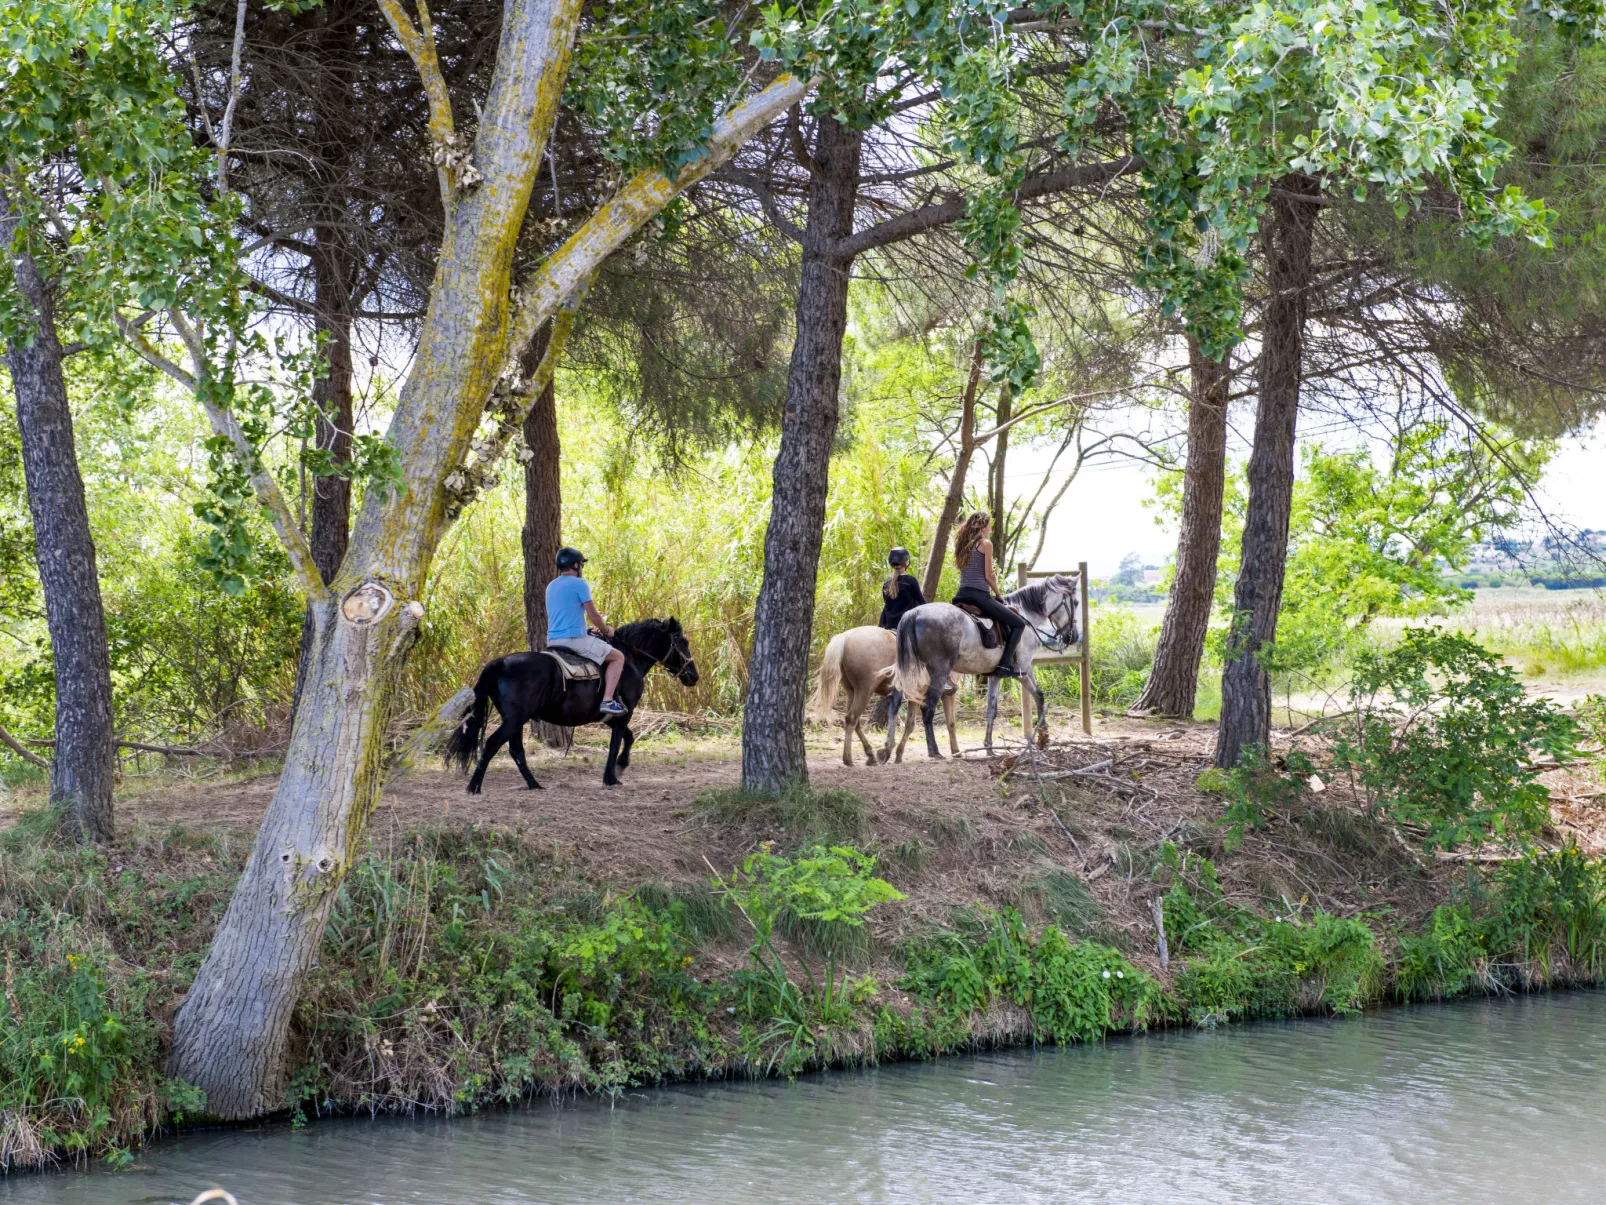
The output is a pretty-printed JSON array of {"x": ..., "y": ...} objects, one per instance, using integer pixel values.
[
  {"x": 641, "y": 632},
  {"x": 1035, "y": 596}
]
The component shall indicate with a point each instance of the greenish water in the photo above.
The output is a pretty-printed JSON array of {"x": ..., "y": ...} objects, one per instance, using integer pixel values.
[{"x": 1492, "y": 1101}]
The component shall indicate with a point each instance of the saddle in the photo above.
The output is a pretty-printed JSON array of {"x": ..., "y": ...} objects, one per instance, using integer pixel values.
[
  {"x": 573, "y": 666},
  {"x": 985, "y": 628}
]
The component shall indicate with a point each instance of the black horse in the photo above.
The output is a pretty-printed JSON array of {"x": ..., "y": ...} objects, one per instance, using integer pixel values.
[{"x": 529, "y": 686}]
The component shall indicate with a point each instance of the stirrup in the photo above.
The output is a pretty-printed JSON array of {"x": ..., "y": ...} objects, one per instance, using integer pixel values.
[{"x": 1007, "y": 671}]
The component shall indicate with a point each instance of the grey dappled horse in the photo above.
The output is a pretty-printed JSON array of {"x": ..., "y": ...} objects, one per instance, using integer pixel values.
[{"x": 939, "y": 640}]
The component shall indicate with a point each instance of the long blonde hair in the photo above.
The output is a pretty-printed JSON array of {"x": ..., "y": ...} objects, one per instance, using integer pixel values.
[{"x": 970, "y": 533}]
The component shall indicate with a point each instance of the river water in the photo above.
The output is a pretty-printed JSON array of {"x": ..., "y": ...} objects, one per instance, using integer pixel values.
[{"x": 1490, "y": 1101}]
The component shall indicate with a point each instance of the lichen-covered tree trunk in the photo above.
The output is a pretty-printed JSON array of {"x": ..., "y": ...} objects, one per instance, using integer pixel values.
[
  {"x": 230, "y": 1032},
  {"x": 773, "y": 754},
  {"x": 1174, "y": 678},
  {"x": 1287, "y": 232},
  {"x": 84, "y": 762}
]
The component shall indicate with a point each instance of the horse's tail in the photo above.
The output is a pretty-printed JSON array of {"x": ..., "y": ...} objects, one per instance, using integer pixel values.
[
  {"x": 463, "y": 749},
  {"x": 912, "y": 676},
  {"x": 828, "y": 679}
]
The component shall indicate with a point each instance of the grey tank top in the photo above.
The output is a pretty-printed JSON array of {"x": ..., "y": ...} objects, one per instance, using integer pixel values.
[{"x": 974, "y": 575}]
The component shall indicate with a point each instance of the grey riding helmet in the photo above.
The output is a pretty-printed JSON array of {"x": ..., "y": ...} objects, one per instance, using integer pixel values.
[
  {"x": 570, "y": 558},
  {"x": 898, "y": 558}
]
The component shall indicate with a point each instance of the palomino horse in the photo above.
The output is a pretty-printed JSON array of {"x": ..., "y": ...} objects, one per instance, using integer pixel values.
[
  {"x": 939, "y": 640},
  {"x": 861, "y": 659},
  {"x": 529, "y": 686}
]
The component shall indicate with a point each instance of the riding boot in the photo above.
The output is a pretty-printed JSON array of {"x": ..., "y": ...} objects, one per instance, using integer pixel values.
[{"x": 1006, "y": 664}]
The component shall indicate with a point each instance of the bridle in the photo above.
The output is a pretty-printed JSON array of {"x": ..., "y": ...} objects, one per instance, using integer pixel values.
[
  {"x": 1056, "y": 640},
  {"x": 687, "y": 662}
]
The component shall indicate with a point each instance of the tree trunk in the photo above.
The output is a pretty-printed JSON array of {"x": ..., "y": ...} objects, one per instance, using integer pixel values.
[
  {"x": 956, "y": 483},
  {"x": 1245, "y": 684},
  {"x": 543, "y": 524},
  {"x": 85, "y": 752},
  {"x": 334, "y": 268},
  {"x": 1003, "y": 537},
  {"x": 1174, "y": 678},
  {"x": 773, "y": 753},
  {"x": 331, "y": 496},
  {"x": 543, "y": 505}
]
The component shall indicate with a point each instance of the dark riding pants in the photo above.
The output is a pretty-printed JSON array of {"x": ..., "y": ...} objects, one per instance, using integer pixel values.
[{"x": 1010, "y": 623}]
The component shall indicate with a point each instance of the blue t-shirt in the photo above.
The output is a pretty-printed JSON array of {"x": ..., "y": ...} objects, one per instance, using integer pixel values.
[{"x": 566, "y": 599}]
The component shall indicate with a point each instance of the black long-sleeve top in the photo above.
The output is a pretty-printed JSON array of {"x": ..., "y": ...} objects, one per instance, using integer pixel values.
[{"x": 908, "y": 598}]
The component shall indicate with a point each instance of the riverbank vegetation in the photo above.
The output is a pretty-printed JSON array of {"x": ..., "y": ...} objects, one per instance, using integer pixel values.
[{"x": 467, "y": 964}]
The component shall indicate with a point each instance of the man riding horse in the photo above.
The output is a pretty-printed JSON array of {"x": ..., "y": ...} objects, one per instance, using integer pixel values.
[{"x": 568, "y": 605}]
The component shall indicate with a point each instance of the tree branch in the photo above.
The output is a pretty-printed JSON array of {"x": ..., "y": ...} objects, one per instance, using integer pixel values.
[
  {"x": 756, "y": 185},
  {"x": 606, "y": 230},
  {"x": 33, "y": 759},
  {"x": 929, "y": 217},
  {"x": 512, "y": 405},
  {"x": 419, "y": 42},
  {"x": 224, "y": 423}
]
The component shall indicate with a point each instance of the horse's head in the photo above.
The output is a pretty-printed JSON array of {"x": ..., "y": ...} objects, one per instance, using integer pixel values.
[
  {"x": 1060, "y": 597},
  {"x": 678, "y": 660}
]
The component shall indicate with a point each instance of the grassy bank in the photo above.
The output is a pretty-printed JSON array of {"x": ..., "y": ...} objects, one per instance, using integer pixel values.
[{"x": 467, "y": 965}]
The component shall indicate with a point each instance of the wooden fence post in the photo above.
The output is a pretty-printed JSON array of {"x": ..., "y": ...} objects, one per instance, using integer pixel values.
[
  {"x": 1087, "y": 660},
  {"x": 1025, "y": 695}
]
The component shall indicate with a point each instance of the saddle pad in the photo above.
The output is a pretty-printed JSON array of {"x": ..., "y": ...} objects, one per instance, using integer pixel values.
[{"x": 573, "y": 666}]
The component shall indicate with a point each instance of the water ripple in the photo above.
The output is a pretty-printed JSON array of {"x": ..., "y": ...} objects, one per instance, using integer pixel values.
[{"x": 1491, "y": 1101}]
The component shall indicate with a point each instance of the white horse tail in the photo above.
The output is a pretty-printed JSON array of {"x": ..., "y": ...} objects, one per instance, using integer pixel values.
[
  {"x": 829, "y": 678},
  {"x": 913, "y": 676}
]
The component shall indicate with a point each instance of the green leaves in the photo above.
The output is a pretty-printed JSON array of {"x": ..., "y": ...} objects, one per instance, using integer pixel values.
[{"x": 1444, "y": 737}]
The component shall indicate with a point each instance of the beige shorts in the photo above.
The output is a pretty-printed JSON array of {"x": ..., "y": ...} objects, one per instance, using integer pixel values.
[{"x": 592, "y": 648}]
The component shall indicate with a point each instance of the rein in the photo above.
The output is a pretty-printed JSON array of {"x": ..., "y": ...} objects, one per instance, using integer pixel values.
[{"x": 1052, "y": 640}]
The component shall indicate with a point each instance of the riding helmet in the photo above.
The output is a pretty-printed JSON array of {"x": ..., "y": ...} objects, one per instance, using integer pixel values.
[
  {"x": 897, "y": 557},
  {"x": 570, "y": 558}
]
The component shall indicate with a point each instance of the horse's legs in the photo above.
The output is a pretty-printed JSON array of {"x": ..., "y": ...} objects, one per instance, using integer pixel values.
[
  {"x": 850, "y": 720},
  {"x": 950, "y": 712},
  {"x": 1030, "y": 679},
  {"x": 992, "y": 710},
  {"x": 628, "y": 744},
  {"x": 928, "y": 713},
  {"x": 857, "y": 706},
  {"x": 908, "y": 727},
  {"x": 609, "y": 777},
  {"x": 495, "y": 741},
  {"x": 515, "y": 746},
  {"x": 894, "y": 701}
]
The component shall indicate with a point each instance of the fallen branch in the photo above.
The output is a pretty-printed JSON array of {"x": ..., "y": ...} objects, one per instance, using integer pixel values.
[
  {"x": 33, "y": 759},
  {"x": 170, "y": 750}
]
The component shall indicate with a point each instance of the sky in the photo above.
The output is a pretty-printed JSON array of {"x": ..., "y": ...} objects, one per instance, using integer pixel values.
[{"x": 1102, "y": 517}]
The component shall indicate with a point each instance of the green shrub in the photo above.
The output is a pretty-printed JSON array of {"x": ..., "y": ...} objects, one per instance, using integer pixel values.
[
  {"x": 1239, "y": 964},
  {"x": 1443, "y": 737},
  {"x": 1449, "y": 958},
  {"x": 1253, "y": 787},
  {"x": 1074, "y": 991}
]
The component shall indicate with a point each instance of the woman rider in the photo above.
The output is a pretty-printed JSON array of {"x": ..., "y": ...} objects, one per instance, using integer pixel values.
[
  {"x": 900, "y": 592},
  {"x": 978, "y": 585}
]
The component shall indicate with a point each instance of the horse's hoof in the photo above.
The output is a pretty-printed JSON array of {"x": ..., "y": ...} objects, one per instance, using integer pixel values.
[{"x": 534, "y": 786}]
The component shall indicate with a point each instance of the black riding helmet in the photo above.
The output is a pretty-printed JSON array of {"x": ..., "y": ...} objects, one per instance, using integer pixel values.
[
  {"x": 570, "y": 558},
  {"x": 898, "y": 557}
]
